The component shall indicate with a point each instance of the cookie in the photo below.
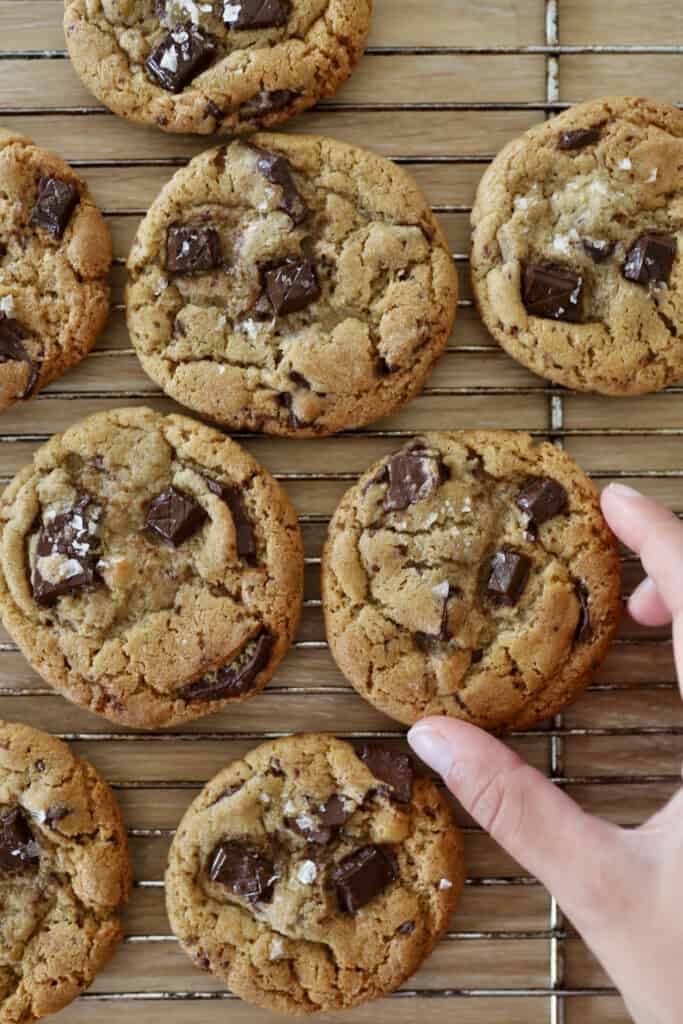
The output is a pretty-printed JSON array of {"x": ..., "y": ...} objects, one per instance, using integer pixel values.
[
  {"x": 471, "y": 574},
  {"x": 576, "y": 266},
  {"x": 150, "y": 569},
  {"x": 55, "y": 254},
  {"x": 219, "y": 66},
  {"x": 309, "y": 878},
  {"x": 64, "y": 874},
  {"x": 264, "y": 269}
]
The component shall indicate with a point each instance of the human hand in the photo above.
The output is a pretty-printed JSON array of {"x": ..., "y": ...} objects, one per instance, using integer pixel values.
[{"x": 620, "y": 887}]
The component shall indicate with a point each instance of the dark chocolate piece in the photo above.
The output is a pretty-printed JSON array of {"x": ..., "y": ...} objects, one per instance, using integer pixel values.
[
  {"x": 333, "y": 814},
  {"x": 213, "y": 110},
  {"x": 542, "y": 498},
  {"x": 277, "y": 171},
  {"x": 407, "y": 928},
  {"x": 235, "y": 678},
  {"x": 175, "y": 516},
  {"x": 18, "y": 848},
  {"x": 192, "y": 249},
  {"x": 244, "y": 531},
  {"x": 414, "y": 474},
  {"x": 72, "y": 534},
  {"x": 552, "y": 291},
  {"x": 182, "y": 55},
  {"x": 54, "y": 815},
  {"x": 584, "y": 629},
  {"x": 256, "y": 14},
  {"x": 598, "y": 249},
  {"x": 12, "y": 349},
  {"x": 291, "y": 285},
  {"x": 363, "y": 875},
  {"x": 579, "y": 138},
  {"x": 265, "y": 102},
  {"x": 508, "y": 577},
  {"x": 246, "y": 869},
  {"x": 391, "y": 766},
  {"x": 650, "y": 259},
  {"x": 323, "y": 827},
  {"x": 56, "y": 201}
]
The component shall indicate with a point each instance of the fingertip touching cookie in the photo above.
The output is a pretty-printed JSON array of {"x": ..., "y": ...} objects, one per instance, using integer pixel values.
[
  {"x": 294, "y": 285},
  {"x": 471, "y": 574},
  {"x": 311, "y": 877},
  {"x": 150, "y": 569},
  {"x": 55, "y": 255},
  {"x": 64, "y": 874},
  {"x": 209, "y": 66},
  {"x": 577, "y": 267}
]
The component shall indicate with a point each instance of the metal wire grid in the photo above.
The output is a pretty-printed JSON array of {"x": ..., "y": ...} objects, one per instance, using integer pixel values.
[{"x": 557, "y": 931}]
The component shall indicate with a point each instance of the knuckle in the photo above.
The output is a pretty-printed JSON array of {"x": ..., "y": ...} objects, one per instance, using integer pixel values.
[{"x": 495, "y": 808}]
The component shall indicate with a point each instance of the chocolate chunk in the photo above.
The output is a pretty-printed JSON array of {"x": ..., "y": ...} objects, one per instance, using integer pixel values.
[
  {"x": 56, "y": 201},
  {"x": 244, "y": 531},
  {"x": 363, "y": 875},
  {"x": 542, "y": 499},
  {"x": 72, "y": 535},
  {"x": 414, "y": 474},
  {"x": 334, "y": 814},
  {"x": 579, "y": 138},
  {"x": 320, "y": 835},
  {"x": 256, "y": 14},
  {"x": 392, "y": 767},
  {"x": 54, "y": 815},
  {"x": 192, "y": 249},
  {"x": 213, "y": 110},
  {"x": 508, "y": 577},
  {"x": 175, "y": 516},
  {"x": 265, "y": 102},
  {"x": 12, "y": 349},
  {"x": 584, "y": 629},
  {"x": 650, "y": 259},
  {"x": 291, "y": 285},
  {"x": 598, "y": 249},
  {"x": 247, "y": 870},
  {"x": 235, "y": 678},
  {"x": 18, "y": 848},
  {"x": 277, "y": 171},
  {"x": 182, "y": 55},
  {"x": 552, "y": 291},
  {"x": 407, "y": 928}
]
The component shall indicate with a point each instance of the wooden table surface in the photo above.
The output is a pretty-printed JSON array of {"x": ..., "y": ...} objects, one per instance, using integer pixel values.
[{"x": 443, "y": 86}]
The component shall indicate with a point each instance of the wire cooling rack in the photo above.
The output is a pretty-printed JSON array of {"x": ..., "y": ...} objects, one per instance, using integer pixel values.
[{"x": 458, "y": 80}]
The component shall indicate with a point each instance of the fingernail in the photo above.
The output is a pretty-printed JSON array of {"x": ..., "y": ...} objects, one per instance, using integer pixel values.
[
  {"x": 432, "y": 747},
  {"x": 624, "y": 490}
]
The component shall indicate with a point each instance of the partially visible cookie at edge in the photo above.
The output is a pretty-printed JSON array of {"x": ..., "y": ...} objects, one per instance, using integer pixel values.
[
  {"x": 294, "y": 285},
  {"x": 310, "y": 877},
  {"x": 471, "y": 574},
  {"x": 150, "y": 569},
  {"x": 577, "y": 267},
  {"x": 55, "y": 255},
  {"x": 217, "y": 66},
  {"x": 64, "y": 874}
]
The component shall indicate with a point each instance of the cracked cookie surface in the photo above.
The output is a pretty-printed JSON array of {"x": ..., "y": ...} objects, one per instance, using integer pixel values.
[
  {"x": 296, "y": 286},
  {"x": 151, "y": 570},
  {"x": 577, "y": 266},
  {"x": 219, "y": 66},
  {"x": 471, "y": 574},
  {"x": 64, "y": 874},
  {"x": 310, "y": 878},
  {"x": 55, "y": 254}
]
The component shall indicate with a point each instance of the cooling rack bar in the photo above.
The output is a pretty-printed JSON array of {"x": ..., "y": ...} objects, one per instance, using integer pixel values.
[{"x": 453, "y": 993}]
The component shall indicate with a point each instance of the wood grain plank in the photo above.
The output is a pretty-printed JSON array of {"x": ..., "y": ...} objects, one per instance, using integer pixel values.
[
  {"x": 587, "y": 412},
  {"x": 37, "y": 24},
  {"x": 457, "y": 133},
  {"x": 582, "y": 970},
  {"x": 656, "y": 24},
  {"x": 624, "y": 804},
  {"x": 390, "y": 80},
  {"x": 597, "y": 1010},
  {"x": 630, "y": 756},
  {"x": 584, "y": 76}
]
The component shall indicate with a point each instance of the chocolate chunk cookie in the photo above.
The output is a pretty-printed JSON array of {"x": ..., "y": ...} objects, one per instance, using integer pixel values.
[
  {"x": 293, "y": 285},
  {"x": 64, "y": 874},
  {"x": 577, "y": 259},
  {"x": 311, "y": 879},
  {"x": 214, "y": 65},
  {"x": 471, "y": 574},
  {"x": 55, "y": 254},
  {"x": 150, "y": 569}
]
